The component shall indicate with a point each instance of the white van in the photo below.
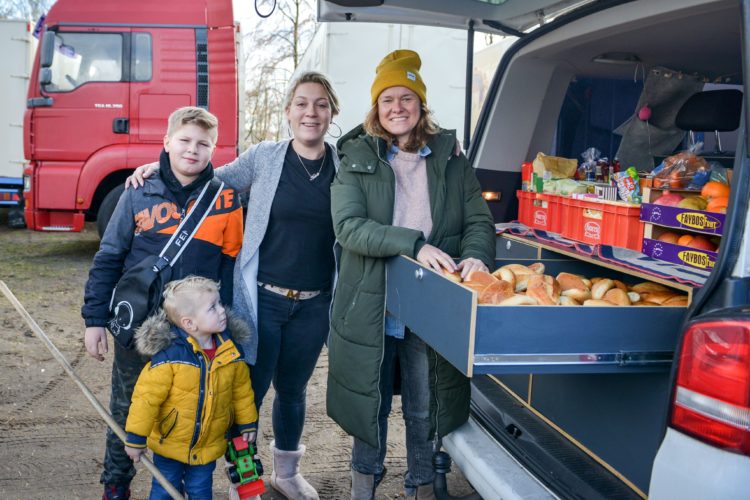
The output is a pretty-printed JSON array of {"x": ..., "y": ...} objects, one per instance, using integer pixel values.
[{"x": 619, "y": 402}]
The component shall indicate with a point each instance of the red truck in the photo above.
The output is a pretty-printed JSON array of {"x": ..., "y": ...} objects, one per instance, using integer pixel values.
[{"x": 106, "y": 76}]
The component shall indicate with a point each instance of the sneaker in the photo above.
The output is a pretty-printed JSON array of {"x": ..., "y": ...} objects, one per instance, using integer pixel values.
[{"x": 116, "y": 492}]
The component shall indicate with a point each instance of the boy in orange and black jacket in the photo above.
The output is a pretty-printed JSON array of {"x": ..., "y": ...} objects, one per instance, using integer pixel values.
[{"x": 141, "y": 225}]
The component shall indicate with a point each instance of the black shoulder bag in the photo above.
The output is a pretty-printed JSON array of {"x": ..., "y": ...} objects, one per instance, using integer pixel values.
[{"x": 138, "y": 294}]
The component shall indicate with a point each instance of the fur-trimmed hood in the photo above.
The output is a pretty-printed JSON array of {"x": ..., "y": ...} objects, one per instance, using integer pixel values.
[{"x": 156, "y": 333}]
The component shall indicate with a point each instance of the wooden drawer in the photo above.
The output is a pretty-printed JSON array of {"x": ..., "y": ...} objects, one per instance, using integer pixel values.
[{"x": 483, "y": 339}]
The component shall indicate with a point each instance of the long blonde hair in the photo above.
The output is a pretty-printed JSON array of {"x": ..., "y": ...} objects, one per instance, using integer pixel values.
[{"x": 420, "y": 135}]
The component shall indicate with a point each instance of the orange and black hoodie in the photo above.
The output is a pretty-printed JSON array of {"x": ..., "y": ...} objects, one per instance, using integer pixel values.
[{"x": 143, "y": 222}]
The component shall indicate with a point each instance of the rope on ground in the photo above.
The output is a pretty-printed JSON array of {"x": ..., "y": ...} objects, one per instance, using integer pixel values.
[{"x": 86, "y": 391}]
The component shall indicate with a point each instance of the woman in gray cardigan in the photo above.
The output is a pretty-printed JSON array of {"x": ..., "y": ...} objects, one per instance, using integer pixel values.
[{"x": 284, "y": 272}]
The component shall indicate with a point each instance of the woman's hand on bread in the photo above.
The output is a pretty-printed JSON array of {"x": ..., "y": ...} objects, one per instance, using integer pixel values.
[
  {"x": 435, "y": 259},
  {"x": 470, "y": 264},
  {"x": 140, "y": 174}
]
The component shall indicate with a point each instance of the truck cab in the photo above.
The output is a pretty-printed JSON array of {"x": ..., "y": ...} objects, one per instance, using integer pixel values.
[
  {"x": 610, "y": 402},
  {"x": 105, "y": 78}
]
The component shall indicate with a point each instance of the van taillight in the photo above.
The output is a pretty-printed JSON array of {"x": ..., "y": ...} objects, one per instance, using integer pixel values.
[{"x": 712, "y": 394}]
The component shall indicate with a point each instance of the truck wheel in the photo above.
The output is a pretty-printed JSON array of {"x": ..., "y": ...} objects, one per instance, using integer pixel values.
[{"x": 107, "y": 208}]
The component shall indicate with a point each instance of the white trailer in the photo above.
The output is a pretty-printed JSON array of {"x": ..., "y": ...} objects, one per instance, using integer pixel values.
[
  {"x": 348, "y": 54},
  {"x": 17, "y": 46}
]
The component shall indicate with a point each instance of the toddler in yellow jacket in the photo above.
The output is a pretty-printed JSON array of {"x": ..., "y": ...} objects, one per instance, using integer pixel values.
[{"x": 196, "y": 385}]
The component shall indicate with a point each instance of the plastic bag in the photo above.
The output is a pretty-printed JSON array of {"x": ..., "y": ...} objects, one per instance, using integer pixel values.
[
  {"x": 554, "y": 167},
  {"x": 628, "y": 185},
  {"x": 587, "y": 169},
  {"x": 677, "y": 171}
]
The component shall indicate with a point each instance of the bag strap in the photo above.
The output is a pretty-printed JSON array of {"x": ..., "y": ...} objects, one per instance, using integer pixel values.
[{"x": 189, "y": 225}]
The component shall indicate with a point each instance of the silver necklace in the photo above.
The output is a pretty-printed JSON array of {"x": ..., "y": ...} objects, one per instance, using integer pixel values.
[{"x": 322, "y": 164}]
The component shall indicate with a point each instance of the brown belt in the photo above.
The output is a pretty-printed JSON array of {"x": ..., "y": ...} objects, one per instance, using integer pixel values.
[{"x": 289, "y": 293}]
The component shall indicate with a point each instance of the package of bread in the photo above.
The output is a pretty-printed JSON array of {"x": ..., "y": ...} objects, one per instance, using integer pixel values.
[
  {"x": 558, "y": 167},
  {"x": 496, "y": 293},
  {"x": 544, "y": 289}
]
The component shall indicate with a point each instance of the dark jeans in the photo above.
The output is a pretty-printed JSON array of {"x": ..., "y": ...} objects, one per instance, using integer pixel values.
[
  {"x": 127, "y": 365},
  {"x": 195, "y": 480},
  {"x": 291, "y": 334},
  {"x": 411, "y": 353}
]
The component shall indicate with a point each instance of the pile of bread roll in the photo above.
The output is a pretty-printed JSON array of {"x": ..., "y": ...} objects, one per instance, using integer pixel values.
[{"x": 516, "y": 285}]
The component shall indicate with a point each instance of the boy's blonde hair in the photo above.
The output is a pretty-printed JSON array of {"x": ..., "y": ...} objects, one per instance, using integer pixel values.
[
  {"x": 180, "y": 296},
  {"x": 313, "y": 77},
  {"x": 195, "y": 116}
]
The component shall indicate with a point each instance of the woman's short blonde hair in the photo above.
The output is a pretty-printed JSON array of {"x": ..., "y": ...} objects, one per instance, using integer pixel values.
[
  {"x": 313, "y": 77},
  {"x": 420, "y": 135}
]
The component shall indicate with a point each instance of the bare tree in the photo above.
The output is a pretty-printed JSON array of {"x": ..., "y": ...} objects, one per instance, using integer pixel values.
[
  {"x": 30, "y": 10},
  {"x": 273, "y": 51}
]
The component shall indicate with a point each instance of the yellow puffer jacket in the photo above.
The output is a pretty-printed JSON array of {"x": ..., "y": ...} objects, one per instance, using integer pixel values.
[{"x": 183, "y": 404}]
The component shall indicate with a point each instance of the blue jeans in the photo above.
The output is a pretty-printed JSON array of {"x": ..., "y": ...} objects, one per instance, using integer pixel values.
[
  {"x": 411, "y": 353},
  {"x": 291, "y": 334},
  {"x": 195, "y": 480}
]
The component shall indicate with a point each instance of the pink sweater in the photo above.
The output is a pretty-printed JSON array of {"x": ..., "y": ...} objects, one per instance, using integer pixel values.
[{"x": 412, "y": 206}]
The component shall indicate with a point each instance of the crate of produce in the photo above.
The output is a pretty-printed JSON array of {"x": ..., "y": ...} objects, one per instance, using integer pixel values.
[
  {"x": 603, "y": 222},
  {"x": 679, "y": 254},
  {"x": 540, "y": 211},
  {"x": 675, "y": 217}
]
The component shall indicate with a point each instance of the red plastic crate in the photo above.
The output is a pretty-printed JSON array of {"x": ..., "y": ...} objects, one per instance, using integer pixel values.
[
  {"x": 605, "y": 223},
  {"x": 541, "y": 211}
]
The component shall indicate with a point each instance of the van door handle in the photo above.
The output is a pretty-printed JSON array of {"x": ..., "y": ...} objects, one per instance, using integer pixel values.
[{"x": 120, "y": 126}]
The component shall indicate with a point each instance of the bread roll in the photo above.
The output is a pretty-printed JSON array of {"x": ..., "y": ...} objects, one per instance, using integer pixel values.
[
  {"x": 577, "y": 294},
  {"x": 569, "y": 281},
  {"x": 634, "y": 297},
  {"x": 587, "y": 282},
  {"x": 601, "y": 287},
  {"x": 454, "y": 276},
  {"x": 481, "y": 277},
  {"x": 648, "y": 286},
  {"x": 496, "y": 292},
  {"x": 537, "y": 267},
  {"x": 617, "y": 296},
  {"x": 544, "y": 289},
  {"x": 505, "y": 274},
  {"x": 677, "y": 301},
  {"x": 658, "y": 297},
  {"x": 597, "y": 303},
  {"x": 568, "y": 301},
  {"x": 622, "y": 286},
  {"x": 519, "y": 300},
  {"x": 473, "y": 285}
]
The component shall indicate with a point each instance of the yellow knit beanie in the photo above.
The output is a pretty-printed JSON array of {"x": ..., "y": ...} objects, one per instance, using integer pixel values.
[{"x": 400, "y": 68}]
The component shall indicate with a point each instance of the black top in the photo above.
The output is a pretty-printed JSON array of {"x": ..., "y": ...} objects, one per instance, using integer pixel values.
[{"x": 297, "y": 249}]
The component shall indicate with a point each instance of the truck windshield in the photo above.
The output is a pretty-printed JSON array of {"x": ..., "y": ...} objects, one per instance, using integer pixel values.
[{"x": 85, "y": 57}]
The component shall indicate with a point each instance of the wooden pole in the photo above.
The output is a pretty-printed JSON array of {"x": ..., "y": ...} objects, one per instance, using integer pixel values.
[{"x": 86, "y": 391}]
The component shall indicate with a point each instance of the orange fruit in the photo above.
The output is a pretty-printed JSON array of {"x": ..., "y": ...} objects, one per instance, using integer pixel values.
[
  {"x": 718, "y": 204},
  {"x": 685, "y": 240},
  {"x": 669, "y": 237},
  {"x": 714, "y": 189}
]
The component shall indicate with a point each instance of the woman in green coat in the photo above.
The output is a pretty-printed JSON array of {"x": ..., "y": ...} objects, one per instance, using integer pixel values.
[{"x": 401, "y": 189}]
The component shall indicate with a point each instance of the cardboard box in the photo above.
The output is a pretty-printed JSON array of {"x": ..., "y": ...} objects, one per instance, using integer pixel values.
[
  {"x": 683, "y": 218},
  {"x": 679, "y": 254}
]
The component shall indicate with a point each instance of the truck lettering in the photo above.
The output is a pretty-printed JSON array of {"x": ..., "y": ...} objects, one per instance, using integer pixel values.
[{"x": 108, "y": 106}]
